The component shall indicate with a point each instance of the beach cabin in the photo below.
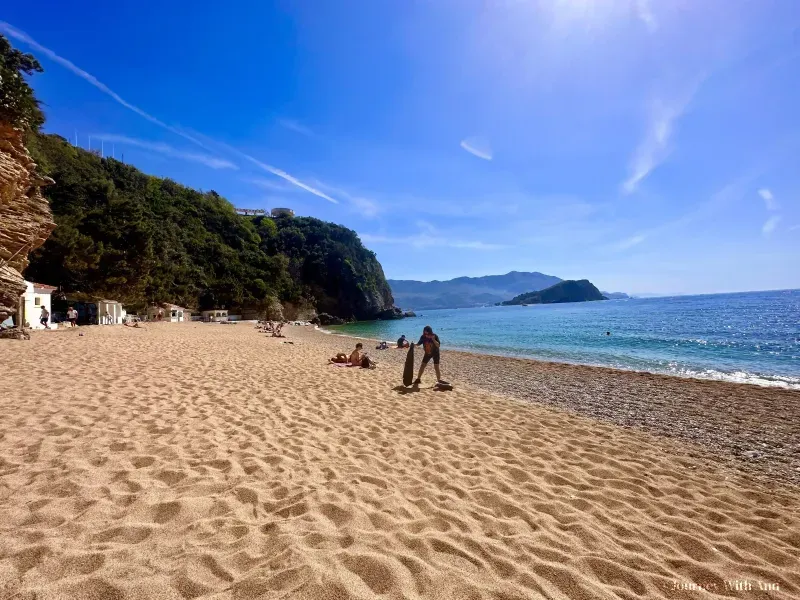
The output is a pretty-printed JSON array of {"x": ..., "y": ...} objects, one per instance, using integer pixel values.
[
  {"x": 109, "y": 312},
  {"x": 215, "y": 316},
  {"x": 31, "y": 302},
  {"x": 172, "y": 313}
]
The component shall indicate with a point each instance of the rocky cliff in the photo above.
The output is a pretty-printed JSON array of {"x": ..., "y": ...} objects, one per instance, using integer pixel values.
[{"x": 25, "y": 217}]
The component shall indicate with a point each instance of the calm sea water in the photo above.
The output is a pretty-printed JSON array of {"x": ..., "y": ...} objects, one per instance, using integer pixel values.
[{"x": 750, "y": 337}]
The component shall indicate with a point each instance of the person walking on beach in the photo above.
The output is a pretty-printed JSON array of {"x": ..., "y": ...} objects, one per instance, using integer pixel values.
[
  {"x": 430, "y": 342},
  {"x": 44, "y": 317},
  {"x": 72, "y": 316}
]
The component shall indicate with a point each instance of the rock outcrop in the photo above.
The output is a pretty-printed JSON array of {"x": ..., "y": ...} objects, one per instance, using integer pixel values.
[{"x": 25, "y": 218}]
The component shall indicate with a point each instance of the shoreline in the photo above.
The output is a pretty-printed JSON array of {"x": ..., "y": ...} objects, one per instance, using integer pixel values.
[
  {"x": 695, "y": 376},
  {"x": 746, "y": 426}
]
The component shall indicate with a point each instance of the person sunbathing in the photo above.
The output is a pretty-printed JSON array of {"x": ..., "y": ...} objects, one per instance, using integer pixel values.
[{"x": 353, "y": 359}]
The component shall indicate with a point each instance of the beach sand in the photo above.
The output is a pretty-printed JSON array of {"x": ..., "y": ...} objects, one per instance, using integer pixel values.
[{"x": 210, "y": 461}]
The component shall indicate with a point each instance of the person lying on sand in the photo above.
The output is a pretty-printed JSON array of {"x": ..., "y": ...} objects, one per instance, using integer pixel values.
[{"x": 353, "y": 359}]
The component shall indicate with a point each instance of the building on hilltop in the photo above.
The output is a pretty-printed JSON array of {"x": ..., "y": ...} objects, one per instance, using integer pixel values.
[{"x": 281, "y": 212}]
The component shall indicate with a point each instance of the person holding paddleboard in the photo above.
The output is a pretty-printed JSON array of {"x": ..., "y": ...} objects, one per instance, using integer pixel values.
[{"x": 430, "y": 342}]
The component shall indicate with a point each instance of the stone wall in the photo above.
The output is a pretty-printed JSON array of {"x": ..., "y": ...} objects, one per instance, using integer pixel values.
[{"x": 25, "y": 218}]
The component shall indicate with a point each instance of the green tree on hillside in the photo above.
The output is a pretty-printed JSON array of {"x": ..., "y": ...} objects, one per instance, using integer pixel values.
[{"x": 18, "y": 105}]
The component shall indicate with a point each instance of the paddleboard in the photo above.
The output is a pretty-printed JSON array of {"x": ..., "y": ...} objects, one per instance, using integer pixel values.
[{"x": 408, "y": 369}]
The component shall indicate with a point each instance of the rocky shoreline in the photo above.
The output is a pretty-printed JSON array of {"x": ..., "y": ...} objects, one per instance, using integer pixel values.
[{"x": 750, "y": 428}]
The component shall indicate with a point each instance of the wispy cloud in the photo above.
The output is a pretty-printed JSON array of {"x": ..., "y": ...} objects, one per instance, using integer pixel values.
[
  {"x": 364, "y": 204},
  {"x": 15, "y": 33},
  {"x": 770, "y": 225},
  {"x": 424, "y": 241},
  {"x": 477, "y": 147},
  {"x": 645, "y": 13},
  {"x": 655, "y": 148},
  {"x": 427, "y": 239},
  {"x": 205, "y": 159},
  {"x": 768, "y": 198},
  {"x": 293, "y": 125},
  {"x": 270, "y": 169},
  {"x": 21, "y": 36},
  {"x": 794, "y": 227},
  {"x": 366, "y": 207},
  {"x": 286, "y": 177},
  {"x": 629, "y": 242},
  {"x": 269, "y": 184}
]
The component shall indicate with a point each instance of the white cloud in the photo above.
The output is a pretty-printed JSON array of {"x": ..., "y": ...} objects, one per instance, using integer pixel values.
[
  {"x": 205, "y": 159},
  {"x": 654, "y": 148},
  {"x": 630, "y": 242},
  {"x": 477, "y": 147},
  {"x": 645, "y": 13},
  {"x": 428, "y": 239},
  {"x": 794, "y": 227},
  {"x": 291, "y": 179},
  {"x": 274, "y": 170},
  {"x": 365, "y": 206},
  {"x": 11, "y": 31},
  {"x": 293, "y": 125},
  {"x": 268, "y": 184},
  {"x": 770, "y": 225},
  {"x": 768, "y": 198}
]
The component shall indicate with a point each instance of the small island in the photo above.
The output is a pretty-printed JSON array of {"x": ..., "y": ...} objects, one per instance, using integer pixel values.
[{"x": 564, "y": 291}]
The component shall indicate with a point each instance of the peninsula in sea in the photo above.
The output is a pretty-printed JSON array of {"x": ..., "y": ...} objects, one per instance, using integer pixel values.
[{"x": 564, "y": 291}]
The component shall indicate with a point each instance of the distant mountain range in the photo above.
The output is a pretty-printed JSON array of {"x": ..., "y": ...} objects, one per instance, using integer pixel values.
[
  {"x": 563, "y": 291},
  {"x": 467, "y": 292}
]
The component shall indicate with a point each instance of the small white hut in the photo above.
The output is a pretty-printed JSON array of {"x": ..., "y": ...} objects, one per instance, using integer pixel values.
[
  {"x": 36, "y": 296},
  {"x": 215, "y": 316},
  {"x": 109, "y": 312},
  {"x": 171, "y": 313}
]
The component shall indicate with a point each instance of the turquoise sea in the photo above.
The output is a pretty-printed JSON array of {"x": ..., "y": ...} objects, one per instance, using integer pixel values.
[{"x": 751, "y": 337}]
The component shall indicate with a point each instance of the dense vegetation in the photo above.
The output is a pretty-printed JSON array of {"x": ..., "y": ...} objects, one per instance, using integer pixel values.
[
  {"x": 18, "y": 105},
  {"x": 140, "y": 239},
  {"x": 565, "y": 291}
]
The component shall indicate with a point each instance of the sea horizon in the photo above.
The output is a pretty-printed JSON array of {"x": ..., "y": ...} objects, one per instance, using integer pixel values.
[{"x": 740, "y": 337}]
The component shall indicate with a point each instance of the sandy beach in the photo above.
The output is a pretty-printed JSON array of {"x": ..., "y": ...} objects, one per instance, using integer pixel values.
[{"x": 208, "y": 461}]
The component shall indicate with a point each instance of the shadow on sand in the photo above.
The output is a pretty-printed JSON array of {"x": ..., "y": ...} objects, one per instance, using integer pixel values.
[{"x": 401, "y": 389}]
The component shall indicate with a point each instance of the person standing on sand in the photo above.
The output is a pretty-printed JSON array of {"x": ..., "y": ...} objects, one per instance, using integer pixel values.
[
  {"x": 44, "y": 317},
  {"x": 430, "y": 342},
  {"x": 72, "y": 316}
]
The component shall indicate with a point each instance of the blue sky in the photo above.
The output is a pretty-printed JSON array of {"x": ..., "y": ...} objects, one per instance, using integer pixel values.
[{"x": 647, "y": 146}]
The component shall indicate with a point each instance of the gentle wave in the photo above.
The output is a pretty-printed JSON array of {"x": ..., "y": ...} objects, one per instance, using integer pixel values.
[{"x": 789, "y": 383}]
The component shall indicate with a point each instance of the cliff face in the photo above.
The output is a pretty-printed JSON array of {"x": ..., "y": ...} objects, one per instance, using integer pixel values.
[{"x": 25, "y": 217}]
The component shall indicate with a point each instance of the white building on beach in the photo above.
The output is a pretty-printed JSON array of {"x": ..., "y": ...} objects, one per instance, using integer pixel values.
[
  {"x": 172, "y": 313},
  {"x": 110, "y": 312},
  {"x": 215, "y": 316},
  {"x": 36, "y": 296}
]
